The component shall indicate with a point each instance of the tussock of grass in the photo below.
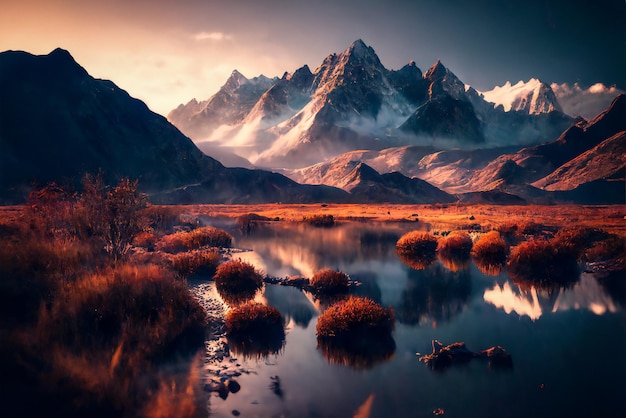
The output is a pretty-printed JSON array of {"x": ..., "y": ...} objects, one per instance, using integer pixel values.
[
  {"x": 613, "y": 248},
  {"x": 454, "y": 250},
  {"x": 543, "y": 263},
  {"x": 237, "y": 281},
  {"x": 162, "y": 219},
  {"x": 320, "y": 220},
  {"x": 255, "y": 330},
  {"x": 458, "y": 243},
  {"x": 126, "y": 302},
  {"x": 355, "y": 316},
  {"x": 329, "y": 281},
  {"x": 202, "y": 262},
  {"x": 491, "y": 248},
  {"x": 418, "y": 243},
  {"x": 101, "y": 333},
  {"x": 417, "y": 249},
  {"x": 578, "y": 240},
  {"x": 206, "y": 236},
  {"x": 145, "y": 240}
]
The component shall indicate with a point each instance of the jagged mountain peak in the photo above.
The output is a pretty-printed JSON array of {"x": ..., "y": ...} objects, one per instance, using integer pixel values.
[
  {"x": 359, "y": 47},
  {"x": 436, "y": 72},
  {"x": 235, "y": 81}
]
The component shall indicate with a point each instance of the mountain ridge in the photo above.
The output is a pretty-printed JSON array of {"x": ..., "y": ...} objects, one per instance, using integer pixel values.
[{"x": 351, "y": 101}]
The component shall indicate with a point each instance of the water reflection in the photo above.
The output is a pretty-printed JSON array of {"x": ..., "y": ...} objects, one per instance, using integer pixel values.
[
  {"x": 292, "y": 304},
  {"x": 288, "y": 249},
  {"x": 489, "y": 267},
  {"x": 465, "y": 306},
  {"x": 416, "y": 262},
  {"x": 455, "y": 262},
  {"x": 362, "y": 352},
  {"x": 433, "y": 295},
  {"x": 534, "y": 302}
]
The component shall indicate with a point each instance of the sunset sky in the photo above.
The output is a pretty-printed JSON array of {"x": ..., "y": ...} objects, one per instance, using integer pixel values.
[{"x": 167, "y": 52}]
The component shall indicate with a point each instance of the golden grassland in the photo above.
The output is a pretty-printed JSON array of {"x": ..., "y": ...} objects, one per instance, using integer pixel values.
[{"x": 440, "y": 217}]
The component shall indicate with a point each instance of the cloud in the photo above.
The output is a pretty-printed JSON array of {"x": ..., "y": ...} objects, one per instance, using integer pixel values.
[
  {"x": 212, "y": 36},
  {"x": 586, "y": 102}
]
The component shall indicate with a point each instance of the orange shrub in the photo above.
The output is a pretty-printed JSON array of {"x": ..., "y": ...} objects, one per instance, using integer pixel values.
[
  {"x": 320, "y": 220},
  {"x": 162, "y": 218},
  {"x": 145, "y": 240},
  {"x": 458, "y": 243},
  {"x": 490, "y": 248},
  {"x": 206, "y": 236},
  {"x": 417, "y": 243},
  {"x": 578, "y": 240},
  {"x": 329, "y": 281},
  {"x": 543, "y": 263},
  {"x": 237, "y": 281},
  {"x": 202, "y": 262},
  {"x": 354, "y": 316},
  {"x": 612, "y": 248}
]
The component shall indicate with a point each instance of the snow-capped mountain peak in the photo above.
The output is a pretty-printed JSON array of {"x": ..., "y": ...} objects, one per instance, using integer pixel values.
[{"x": 532, "y": 96}]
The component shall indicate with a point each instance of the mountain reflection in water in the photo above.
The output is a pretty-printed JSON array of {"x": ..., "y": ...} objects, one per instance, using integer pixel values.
[{"x": 533, "y": 302}]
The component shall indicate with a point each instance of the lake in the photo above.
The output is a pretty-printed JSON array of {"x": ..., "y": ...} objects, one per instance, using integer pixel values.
[{"x": 567, "y": 345}]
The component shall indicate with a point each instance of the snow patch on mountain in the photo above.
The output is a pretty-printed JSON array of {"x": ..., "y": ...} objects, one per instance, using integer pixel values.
[{"x": 533, "y": 97}]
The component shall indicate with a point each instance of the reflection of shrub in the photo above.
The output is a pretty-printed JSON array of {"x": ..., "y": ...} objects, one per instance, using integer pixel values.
[
  {"x": 360, "y": 353},
  {"x": 417, "y": 262},
  {"x": 487, "y": 268},
  {"x": 329, "y": 281},
  {"x": 206, "y": 236},
  {"x": 543, "y": 263},
  {"x": 355, "y": 316},
  {"x": 456, "y": 244},
  {"x": 320, "y": 220},
  {"x": 202, "y": 262},
  {"x": 237, "y": 281},
  {"x": 418, "y": 243},
  {"x": 454, "y": 262},
  {"x": 255, "y": 330}
]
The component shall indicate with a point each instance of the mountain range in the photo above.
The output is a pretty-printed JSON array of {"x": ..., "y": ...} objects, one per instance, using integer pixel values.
[
  {"x": 351, "y": 101},
  {"x": 317, "y": 127},
  {"x": 350, "y": 131}
]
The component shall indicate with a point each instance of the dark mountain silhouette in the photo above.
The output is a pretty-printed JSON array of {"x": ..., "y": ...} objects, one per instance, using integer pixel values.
[{"x": 57, "y": 122}]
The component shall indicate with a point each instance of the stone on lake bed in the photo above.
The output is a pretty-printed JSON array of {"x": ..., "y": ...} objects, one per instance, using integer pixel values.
[{"x": 445, "y": 355}]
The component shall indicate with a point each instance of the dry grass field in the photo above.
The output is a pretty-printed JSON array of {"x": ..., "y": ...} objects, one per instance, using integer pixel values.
[{"x": 439, "y": 217}]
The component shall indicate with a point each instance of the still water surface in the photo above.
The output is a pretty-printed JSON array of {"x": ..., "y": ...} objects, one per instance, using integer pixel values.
[{"x": 568, "y": 345}]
